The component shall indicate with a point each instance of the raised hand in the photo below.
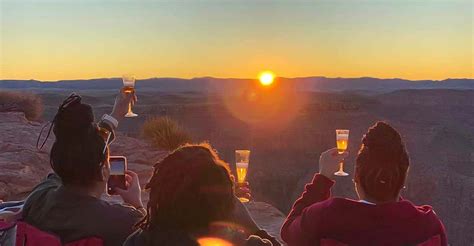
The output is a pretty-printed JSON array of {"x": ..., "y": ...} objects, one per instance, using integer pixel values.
[
  {"x": 329, "y": 162},
  {"x": 133, "y": 194},
  {"x": 242, "y": 190},
  {"x": 121, "y": 104}
]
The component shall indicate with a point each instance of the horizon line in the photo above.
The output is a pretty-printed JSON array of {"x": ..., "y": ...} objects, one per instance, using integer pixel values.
[{"x": 230, "y": 78}]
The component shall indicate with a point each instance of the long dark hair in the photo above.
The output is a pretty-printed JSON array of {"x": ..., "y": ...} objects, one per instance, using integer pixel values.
[
  {"x": 382, "y": 163},
  {"x": 77, "y": 154},
  {"x": 190, "y": 188}
]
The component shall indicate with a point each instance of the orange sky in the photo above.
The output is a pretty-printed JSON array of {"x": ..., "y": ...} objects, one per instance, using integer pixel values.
[{"x": 53, "y": 40}]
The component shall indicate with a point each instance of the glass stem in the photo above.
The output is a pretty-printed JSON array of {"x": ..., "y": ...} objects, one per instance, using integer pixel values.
[
  {"x": 341, "y": 167},
  {"x": 130, "y": 107}
]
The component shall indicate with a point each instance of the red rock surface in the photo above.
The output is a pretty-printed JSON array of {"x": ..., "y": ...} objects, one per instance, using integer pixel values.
[
  {"x": 267, "y": 217},
  {"x": 22, "y": 166},
  {"x": 140, "y": 155}
]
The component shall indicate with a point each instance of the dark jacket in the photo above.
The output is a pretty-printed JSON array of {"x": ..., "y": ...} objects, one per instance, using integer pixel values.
[
  {"x": 53, "y": 208},
  {"x": 166, "y": 237},
  {"x": 159, "y": 238},
  {"x": 316, "y": 216}
]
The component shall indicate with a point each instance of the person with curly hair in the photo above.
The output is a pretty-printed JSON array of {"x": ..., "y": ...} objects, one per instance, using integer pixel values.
[{"x": 191, "y": 199}]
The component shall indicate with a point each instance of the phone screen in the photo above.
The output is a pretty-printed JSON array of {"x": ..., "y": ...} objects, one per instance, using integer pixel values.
[{"x": 118, "y": 165}]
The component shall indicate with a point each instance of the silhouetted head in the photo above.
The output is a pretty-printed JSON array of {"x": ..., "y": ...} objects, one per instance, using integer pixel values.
[
  {"x": 77, "y": 155},
  {"x": 190, "y": 188},
  {"x": 382, "y": 164}
]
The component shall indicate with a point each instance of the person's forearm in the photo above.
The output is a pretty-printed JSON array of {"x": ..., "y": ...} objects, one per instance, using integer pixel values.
[
  {"x": 316, "y": 191},
  {"x": 138, "y": 206},
  {"x": 137, "y": 203},
  {"x": 107, "y": 128},
  {"x": 293, "y": 229}
]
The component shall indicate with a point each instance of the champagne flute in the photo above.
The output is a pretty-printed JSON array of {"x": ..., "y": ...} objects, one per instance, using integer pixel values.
[
  {"x": 342, "y": 140},
  {"x": 242, "y": 164},
  {"x": 129, "y": 87}
]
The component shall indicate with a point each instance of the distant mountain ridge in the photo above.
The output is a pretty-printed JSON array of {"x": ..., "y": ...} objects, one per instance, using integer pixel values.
[{"x": 209, "y": 84}]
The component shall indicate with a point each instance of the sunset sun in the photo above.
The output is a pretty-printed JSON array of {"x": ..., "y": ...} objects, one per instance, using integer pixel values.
[{"x": 266, "y": 78}]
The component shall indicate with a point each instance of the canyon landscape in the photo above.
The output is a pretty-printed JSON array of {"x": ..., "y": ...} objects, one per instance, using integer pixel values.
[{"x": 437, "y": 126}]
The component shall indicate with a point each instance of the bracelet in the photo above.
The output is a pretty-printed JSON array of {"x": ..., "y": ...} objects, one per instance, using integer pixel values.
[{"x": 110, "y": 120}]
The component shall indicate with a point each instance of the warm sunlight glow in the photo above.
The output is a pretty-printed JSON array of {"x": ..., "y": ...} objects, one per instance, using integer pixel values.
[
  {"x": 212, "y": 241},
  {"x": 37, "y": 41},
  {"x": 266, "y": 78}
]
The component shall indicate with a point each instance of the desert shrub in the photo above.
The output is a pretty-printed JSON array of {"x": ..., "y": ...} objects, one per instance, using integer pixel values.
[
  {"x": 25, "y": 102},
  {"x": 165, "y": 133}
]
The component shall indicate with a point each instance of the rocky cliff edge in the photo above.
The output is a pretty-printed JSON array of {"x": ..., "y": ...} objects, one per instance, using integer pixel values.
[{"x": 22, "y": 166}]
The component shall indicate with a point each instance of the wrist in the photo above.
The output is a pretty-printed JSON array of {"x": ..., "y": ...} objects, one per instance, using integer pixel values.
[
  {"x": 116, "y": 116},
  {"x": 137, "y": 204},
  {"x": 326, "y": 174},
  {"x": 142, "y": 210},
  {"x": 110, "y": 120},
  {"x": 321, "y": 182}
]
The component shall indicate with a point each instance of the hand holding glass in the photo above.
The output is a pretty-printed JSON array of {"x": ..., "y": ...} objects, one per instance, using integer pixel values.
[
  {"x": 129, "y": 87},
  {"x": 342, "y": 140},
  {"x": 242, "y": 164}
]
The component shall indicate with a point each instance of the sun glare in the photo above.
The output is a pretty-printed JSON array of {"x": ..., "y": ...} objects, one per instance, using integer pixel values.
[
  {"x": 266, "y": 78},
  {"x": 212, "y": 241}
]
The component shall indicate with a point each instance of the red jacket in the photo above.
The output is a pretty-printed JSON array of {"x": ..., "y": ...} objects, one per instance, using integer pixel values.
[{"x": 315, "y": 216}]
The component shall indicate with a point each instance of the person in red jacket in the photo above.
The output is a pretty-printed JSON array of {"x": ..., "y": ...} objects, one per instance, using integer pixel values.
[{"x": 379, "y": 217}]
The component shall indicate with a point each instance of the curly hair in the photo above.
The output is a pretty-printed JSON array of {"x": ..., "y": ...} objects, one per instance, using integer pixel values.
[
  {"x": 189, "y": 189},
  {"x": 382, "y": 163}
]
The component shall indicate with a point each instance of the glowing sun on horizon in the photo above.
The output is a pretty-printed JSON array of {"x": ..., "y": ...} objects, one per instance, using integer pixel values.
[{"x": 266, "y": 78}]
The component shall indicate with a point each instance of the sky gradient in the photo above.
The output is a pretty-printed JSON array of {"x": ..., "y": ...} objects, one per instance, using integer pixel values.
[{"x": 80, "y": 39}]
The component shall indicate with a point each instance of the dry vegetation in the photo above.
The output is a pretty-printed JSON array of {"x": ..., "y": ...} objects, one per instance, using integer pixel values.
[
  {"x": 28, "y": 103},
  {"x": 165, "y": 133}
]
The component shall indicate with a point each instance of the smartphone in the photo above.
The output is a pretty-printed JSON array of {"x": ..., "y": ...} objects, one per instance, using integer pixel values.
[{"x": 118, "y": 167}]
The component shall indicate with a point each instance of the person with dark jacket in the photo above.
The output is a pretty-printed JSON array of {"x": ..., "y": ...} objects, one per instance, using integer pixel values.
[
  {"x": 192, "y": 202},
  {"x": 379, "y": 217},
  {"x": 68, "y": 202}
]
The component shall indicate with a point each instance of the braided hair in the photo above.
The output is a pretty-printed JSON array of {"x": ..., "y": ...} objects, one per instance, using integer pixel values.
[
  {"x": 382, "y": 163},
  {"x": 77, "y": 154},
  {"x": 190, "y": 188}
]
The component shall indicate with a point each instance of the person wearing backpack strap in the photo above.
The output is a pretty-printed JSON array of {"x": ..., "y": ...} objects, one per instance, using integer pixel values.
[{"x": 68, "y": 202}]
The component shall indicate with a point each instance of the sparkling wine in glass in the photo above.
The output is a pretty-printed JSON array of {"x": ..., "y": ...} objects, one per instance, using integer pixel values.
[
  {"x": 129, "y": 87},
  {"x": 342, "y": 140},
  {"x": 242, "y": 164}
]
